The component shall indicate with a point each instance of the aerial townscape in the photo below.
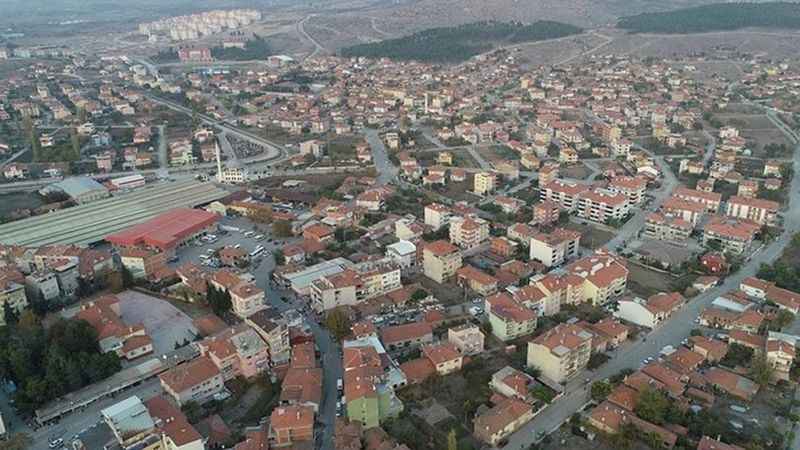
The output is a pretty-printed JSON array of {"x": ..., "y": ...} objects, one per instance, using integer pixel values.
[{"x": 399, "y": 225}]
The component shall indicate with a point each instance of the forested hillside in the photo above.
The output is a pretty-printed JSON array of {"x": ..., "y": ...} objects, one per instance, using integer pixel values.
[
  {"x": 717, "y": 17},
  {"x": 455, "y": 44}
]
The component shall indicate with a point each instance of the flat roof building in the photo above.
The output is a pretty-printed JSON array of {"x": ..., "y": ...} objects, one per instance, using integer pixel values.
[{"x": 166, "y": 231}]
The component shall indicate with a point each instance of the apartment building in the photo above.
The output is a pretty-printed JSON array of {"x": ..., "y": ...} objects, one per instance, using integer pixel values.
[
  {"x": 484, "y": 183},
  {"x": 476, "y": 280},
  {"x": 196, "y": 381},
  {"x": 500, "y": 421},
  {"x": 711, "y": 200},
  {"x": 509, "y": 319},
  {"x": 651, "y": 312},
  {"x": 355, "y": 285},
  {"x": 468, "y": 232},
  {"x": 468, "y": 339},
  {"x": 274, "y": 331},
  {"x": 437, "y": 215},
  {"x": 682, "y": 209},
  {"x": 760, "y": 211},
  {"x": 440, "y": 260},
  {"x": 555, "y": 248},
  {"x": 237, "y": 351},
  {"x": 560, "y": 353},
  {"x": 545, "y": 213},
  {"x": 633, "y": 188},
  {"x": 732, "y": 235},
  {"x": 663, "y": 228},
  {"x": 602, "y": 205},
  {"x": 602, "y": 277},
  {"x": 563, "y": 193},
  {"x": 246, "y": 298},
  {"x": 290, "y": 425}
]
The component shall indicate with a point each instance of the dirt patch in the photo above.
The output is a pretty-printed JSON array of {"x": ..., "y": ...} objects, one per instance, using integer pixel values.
[
  {"x": 576, "y": 171},
  {"x": 591, "y": 237},
  {"x": 645, "y": 282}
]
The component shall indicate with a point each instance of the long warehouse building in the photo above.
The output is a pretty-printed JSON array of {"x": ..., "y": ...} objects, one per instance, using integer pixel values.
[{"x": 91, "y": 223}]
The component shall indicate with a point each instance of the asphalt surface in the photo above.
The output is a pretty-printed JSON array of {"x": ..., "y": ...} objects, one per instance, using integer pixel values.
[
  {"x": 387, "y": 172},
  {"x": 670, "y": 332}
]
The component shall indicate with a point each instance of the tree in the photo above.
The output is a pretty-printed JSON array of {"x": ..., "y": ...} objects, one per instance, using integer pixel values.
[
  {"x": 600, "y": 390},
  {"x": 452, "y": 440},
  {"x": 115, "y": 282},
  {"x": 281, "y": 228},
  {"x": 597, "y": 360},
  {"x": 761, "y": 370},
  {"x": 419, "y": 294},
  {"x": 127, "y": 278},
  {"x": 18, "y": 441},
  {"x": 338, "y": 323},
  {"x": 75, "y": 141},
  {"x": 652, "y": 406},
  {"x": 10, "y": 314},
  {"x": 782, "y": 320}
]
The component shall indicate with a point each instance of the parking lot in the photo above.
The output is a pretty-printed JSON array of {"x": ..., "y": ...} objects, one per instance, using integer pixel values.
[
  {"x": 234, "y": 231},
  {"x": 164, "y": 323}
]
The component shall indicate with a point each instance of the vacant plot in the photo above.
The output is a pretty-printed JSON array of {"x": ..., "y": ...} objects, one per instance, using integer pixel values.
[
  {"x": 164, "y": 323},
  {"x": 646, "y": 282},
  {"x": 576, "y": 171},
  {"x": 591, "y": 237},
  {"x": 670, "y": 254}
]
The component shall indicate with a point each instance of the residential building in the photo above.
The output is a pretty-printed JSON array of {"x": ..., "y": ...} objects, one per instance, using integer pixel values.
[
  {"x": 290, "y": 425},
  {"x": 665, "y": 228},
  {"x": 561, "y": 352},
  {"x": 763, "y": 212},
  {"x": 545, "y": 213},
  {"x": 509, "y": 319},
  {"x": 445, "y": 358},
  {"x": 237, "y": 351},
  {"x": 195, "y": 381},
  {"x": 440, "y": 261},
  {"x": 564, "y": 194},
  {"x": 406, "y": 337},
  {"x": 501, "y": 420},
  {"x": 512, "y": 383},
  {"x": 633, "y": 188},
  {"x": 602, "y": 205},
  {"x": 731, "y": 235},
  {"x": 404, "y": 254},
  {"x": 710, "y": 200},
  {"x": 476, "y": 280},
  {"x": 468, "y": 339},
  {"x": 484, "y": 183},
  {"x": 468, "y": 232},
  {"x": 437, "y": 215},
  {"x": 556, "y": 247},
  {"x": 685, "y": 210},
  {"x": 651, "y": 312}
]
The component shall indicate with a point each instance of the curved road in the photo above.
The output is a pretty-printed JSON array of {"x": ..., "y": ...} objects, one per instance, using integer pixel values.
[{"x": 301, "y": 29}]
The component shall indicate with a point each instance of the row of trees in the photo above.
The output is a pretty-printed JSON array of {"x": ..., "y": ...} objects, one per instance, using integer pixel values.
[
  {"x": 455, "y": 44},
  {"x": 716, "y": 17},
  {"x": 46, "y": 364},
  {"x": 218, "y": 299}
]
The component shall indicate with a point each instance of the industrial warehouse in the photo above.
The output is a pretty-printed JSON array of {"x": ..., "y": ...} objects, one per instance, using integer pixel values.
[
  {"x": 166, "y": 231},
  {"x": 92, "y": 222}
]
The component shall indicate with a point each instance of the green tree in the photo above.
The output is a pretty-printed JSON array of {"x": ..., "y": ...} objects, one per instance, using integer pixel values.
[
  {"x": 10, "y": 315},
  {"x": 18, "y": 441},
  {"x": 338, "y": 323},
  {"x": 652, "y": 406},
  {"x": 452, "y": 440},
  {"x": 419, "y": 294},
  {"x": 600, "y": 390},
  {"x": 761, "y": 370},
  {"x": 75, "y": 141}
]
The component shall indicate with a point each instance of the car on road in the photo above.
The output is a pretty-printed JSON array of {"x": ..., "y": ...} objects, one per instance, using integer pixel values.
[{"x": 56, "y": 442}]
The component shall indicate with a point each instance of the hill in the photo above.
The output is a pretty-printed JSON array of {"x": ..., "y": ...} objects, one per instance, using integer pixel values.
[
  {"x": 455, "y": 44},
  {"x": 716, "y": 17}
]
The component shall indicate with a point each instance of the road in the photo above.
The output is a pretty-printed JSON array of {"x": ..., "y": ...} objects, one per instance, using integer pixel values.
[
  {"x": 302, "y": 31},
  {"x": 13, "y": 157},
  {"x": 163, "y": 159},
  {"x": 275, "y": 150},
  {"x": 671, "y": 332},
  {"x": 636, "y": 223},
  {"x": 387, "y": 172}
]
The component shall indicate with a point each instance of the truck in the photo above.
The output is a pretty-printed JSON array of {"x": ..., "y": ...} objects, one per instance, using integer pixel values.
[{"x": 229, "y": 228}]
